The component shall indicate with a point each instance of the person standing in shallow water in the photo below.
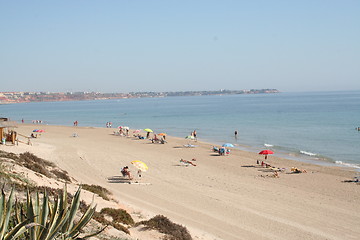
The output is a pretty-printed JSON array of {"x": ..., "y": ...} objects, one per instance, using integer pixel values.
[
  {"x": 236, "y": 133},
  {"x": 194, "y": 134}
]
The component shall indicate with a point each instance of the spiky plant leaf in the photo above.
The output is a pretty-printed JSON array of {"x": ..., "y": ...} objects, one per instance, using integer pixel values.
[
  {"x": 30, "y": 214},
  {"x": 17, "y": 231},
  {"x": 7, "y": 207},
  {"x": 44, "y": 216},
  {"x": 75, "y": 203},
  {"x": 86, "y": 217},
  {"x": 96, "y": 233}
]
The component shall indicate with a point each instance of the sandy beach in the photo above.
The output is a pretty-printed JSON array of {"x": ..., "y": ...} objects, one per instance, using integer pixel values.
[{"x": 222, "y": 197}]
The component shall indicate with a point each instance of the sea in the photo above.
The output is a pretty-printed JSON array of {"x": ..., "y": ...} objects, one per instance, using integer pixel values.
[{"x": 316, "y": 127}]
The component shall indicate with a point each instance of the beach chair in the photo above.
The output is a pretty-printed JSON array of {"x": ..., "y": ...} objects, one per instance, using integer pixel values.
[{"x": 215, "y": 149}]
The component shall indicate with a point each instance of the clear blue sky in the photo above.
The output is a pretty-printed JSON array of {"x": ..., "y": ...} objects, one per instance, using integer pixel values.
[{"x": 169, "y": 45}]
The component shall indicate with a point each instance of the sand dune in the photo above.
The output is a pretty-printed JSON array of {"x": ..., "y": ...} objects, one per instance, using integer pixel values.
[{"x": 222, "y": 197}]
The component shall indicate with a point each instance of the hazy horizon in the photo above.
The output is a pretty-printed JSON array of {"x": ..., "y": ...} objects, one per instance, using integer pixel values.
[{"x": 139, "y": 46}]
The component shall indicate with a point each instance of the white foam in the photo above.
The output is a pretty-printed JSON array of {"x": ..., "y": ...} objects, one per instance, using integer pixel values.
[
  {"x": 347, "y": 164},
  {"x": 268, "y": 145},
  {"x": 308, "y": 153}
]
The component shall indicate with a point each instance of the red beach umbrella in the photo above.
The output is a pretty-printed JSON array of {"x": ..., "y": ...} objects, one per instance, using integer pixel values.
[
  {"x": 39, "y": 130},
  {"x": 266, "y": 152}
]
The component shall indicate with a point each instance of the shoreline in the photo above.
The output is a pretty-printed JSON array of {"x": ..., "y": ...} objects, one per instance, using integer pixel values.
[
  {"x": 222, "y": 197},
  {"x": 340, "y": 149},
  {"x": 295, "y": 156},
  {"x": 290, "y": 155}
]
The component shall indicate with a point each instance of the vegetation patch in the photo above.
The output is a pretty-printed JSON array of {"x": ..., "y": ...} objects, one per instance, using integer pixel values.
[
  {"x": 12, "y": 156},
  {"x": 164, "y": 225},
  {"x": 100, "y": 217},
  {"x": 8, "y": 177},
  {"x": 118, "y": 215},
  {"x": 62, "y": 174},
  {"x": 35, "y": 163},
  {"x": 29, "y": 157},
  {"x": 102, "y": 192}
]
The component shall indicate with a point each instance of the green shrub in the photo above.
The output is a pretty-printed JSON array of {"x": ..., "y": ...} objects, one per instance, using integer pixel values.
[
  {"x": 164, "y": 225},
  {"x": 100, "y": 217},
  {"x": 29, "y": 157},
  {"x": 36, "y": 164},
  {"x": 118, "y": 215},
  {"x": 62, "y": 174},
  {"x": 102, "y": 192},
  {"x": 12, "y": 156}
]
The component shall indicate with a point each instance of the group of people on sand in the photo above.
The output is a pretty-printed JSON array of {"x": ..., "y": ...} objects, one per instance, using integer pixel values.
[
  {"x": 123, "y": 131},
  {"x": 155, "y": 139},
  {"x": 277, "y": 170},
  {"x": 221, "y": 150},
  {"x": 34, "y": 121}
]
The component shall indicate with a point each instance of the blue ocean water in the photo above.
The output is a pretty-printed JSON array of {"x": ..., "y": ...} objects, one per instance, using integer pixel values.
[{"x": 316, "y": 126}]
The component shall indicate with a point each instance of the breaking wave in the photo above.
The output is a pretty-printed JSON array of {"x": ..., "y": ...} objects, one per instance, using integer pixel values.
[
  {"x": 348, "y": 164},
  {"x": 308, "y": 153}
]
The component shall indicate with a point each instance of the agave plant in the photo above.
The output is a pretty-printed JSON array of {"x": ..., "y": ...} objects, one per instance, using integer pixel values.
[
  {"x": 6, "y": 208},
  {"x": 46, "y": 220}
]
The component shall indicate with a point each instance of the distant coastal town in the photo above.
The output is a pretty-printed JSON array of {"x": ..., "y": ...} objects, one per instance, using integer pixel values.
[{"x": 21, "y": 97}]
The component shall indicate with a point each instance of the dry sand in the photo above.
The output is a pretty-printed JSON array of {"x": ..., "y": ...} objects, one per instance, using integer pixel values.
[{"x": 223, "y": 197}]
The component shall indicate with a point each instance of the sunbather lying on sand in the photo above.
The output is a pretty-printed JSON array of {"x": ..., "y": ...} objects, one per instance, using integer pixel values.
[
  {"x": 296, "y": 170},
  {"x": 187, "y": 162},
  {"x": 356, "y": 180},
  {"x": 275, "y": 175}
]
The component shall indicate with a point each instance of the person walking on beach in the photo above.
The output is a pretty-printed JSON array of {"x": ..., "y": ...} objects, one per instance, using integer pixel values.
[{"x": 194, "y": 135}]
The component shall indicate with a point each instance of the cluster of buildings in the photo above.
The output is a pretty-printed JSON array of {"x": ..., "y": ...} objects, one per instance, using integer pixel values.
[{"x": 19, "y": 97}]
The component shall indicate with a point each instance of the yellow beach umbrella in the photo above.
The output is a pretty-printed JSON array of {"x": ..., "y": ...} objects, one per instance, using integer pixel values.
[
  {"x": 140, "y": 165},
  {"x": 148, "y": 130}
]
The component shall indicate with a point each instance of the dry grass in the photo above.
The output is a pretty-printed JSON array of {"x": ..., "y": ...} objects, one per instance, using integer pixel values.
[
  {"x": 164, "y": 225},
  {"x": 118, "y": 215},
  {"x": 37, "y": 165},
  {"x": 62, "y": 174},
  {"x": 102, "y": 192},
  {"x": 100, "y": 217}
]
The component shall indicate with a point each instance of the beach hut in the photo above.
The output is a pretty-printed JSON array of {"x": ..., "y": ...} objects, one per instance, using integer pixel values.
[{"x": 7, "y": 133}]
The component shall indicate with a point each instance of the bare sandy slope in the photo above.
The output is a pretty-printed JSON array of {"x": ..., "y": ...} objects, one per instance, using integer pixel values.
[{"x": 223, "y": 197}]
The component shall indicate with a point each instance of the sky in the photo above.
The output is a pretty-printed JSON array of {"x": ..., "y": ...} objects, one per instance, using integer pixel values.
[{"x": 179, "y": 45}]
